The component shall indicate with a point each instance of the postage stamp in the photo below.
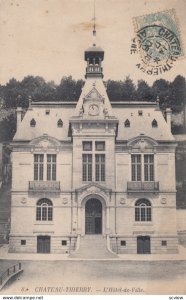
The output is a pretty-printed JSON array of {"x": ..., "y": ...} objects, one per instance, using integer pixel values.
[{"x": 157, "y": 41}]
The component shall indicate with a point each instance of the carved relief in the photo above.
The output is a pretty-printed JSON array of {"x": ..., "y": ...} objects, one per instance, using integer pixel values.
[
  {"x": 163, "y": 201},
  {"x": 122, "y": 201},
  {"x": 65, "y": 200},
  {"x": 23, "y": 200},
  {"x": 94, "y": 94},
  {"x": 45, "y": 142},
  {"x": 142, "y": 144}
]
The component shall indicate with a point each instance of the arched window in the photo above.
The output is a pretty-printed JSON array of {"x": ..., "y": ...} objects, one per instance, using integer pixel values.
[
  {"x": 154, "y": 123},
  {"x": 127, "y": 123},
  {"x": 60, "y": 123},
  {"x": 142, "y": 210},
  {"x": 32, "y": 123},
  {"x": 44, "y": 210}
]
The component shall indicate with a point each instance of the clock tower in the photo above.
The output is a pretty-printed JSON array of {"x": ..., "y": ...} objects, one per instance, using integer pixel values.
[{"x": 93, "y": 123}]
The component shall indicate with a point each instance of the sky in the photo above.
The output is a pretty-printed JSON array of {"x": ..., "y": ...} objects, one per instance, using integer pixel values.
[{"x": 48, "y": 37}]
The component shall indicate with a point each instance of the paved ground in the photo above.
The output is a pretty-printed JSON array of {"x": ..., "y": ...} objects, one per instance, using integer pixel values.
[
  {"x": 128, "y": 274},
  {"x": 105, "y": 277},
  {"x": 126, "y": 257}
]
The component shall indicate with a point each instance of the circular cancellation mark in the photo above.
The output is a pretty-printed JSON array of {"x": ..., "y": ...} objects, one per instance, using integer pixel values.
[{"x": 158, "y": 47}]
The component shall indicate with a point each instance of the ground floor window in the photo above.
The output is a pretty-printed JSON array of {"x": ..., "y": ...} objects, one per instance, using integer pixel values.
[
  {"x": 143, "y": 210},
  {"x": 44, "y": 210},
  {"x": 164, "y": 243}
]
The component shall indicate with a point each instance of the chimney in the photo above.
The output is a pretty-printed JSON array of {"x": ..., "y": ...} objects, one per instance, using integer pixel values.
[
  {"x": 19, "y": 116},
  {"x": 168, "y": 117}
]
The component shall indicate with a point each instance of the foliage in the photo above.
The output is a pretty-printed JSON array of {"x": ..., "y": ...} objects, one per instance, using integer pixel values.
[
  {"x": 171, "y": 94},
  {"x": 7, "y": 128},
  {"x": 144, "y": 91}
]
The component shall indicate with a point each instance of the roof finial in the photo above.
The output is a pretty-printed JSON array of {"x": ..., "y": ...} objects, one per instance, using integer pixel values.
[{"x": 94, "y": 19}]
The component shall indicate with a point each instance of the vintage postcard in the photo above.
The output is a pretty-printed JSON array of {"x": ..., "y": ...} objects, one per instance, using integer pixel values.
[{"x": 92, "y": 148}]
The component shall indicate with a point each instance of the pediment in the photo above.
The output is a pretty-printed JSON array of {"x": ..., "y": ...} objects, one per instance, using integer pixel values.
[
  {"x": 45, "y": 142},
  {"x": 94, "y": 95},
  {"x": 93, "y": 188},
  {"x": 142, "y": 142}
]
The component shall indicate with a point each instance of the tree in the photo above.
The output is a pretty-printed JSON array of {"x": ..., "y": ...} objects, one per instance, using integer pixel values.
[
  {"x": 114, "y": 90},
  {"x": 128, "y": 90},
  {"x": 7, "y": 128},
  {"x": 69, "y": 89},
  {"x": 144, "y": 91},
  {"x": 161, "y": 89},
  {"x": 121, "y": 90},
  {"x": 11, "y": 93},
  {"x": 178, "y": 93}
]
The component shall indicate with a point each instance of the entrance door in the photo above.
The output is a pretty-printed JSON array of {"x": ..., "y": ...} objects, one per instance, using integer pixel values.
[
  {"x": 43, "y": 244},
  {"x": 93, "y": 217},
  {"x": 143, "y": 244}
]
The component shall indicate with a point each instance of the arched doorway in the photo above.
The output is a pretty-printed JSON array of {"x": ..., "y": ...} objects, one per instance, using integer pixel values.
[{"x": 93, "y": 216}]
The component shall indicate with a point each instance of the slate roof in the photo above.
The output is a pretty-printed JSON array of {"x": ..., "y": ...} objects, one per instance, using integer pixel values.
[
  {"x": 45, "y": 124},
  {"x": 139, "y": 114}
]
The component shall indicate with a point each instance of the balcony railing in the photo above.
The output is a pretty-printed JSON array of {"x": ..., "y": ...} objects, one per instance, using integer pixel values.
[
  {"x": 36, "y": 187},
  {"x": 142, "y": 186},
  {"x": 94, "y": 69}
]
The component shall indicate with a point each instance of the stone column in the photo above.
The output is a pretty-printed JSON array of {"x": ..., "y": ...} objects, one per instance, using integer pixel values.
[
  {"x": 107, "y": 219},
  {"x": 19, "y": 116},
  {"x": 79, "y": 216},
  {"x": 168, "y": 117}
]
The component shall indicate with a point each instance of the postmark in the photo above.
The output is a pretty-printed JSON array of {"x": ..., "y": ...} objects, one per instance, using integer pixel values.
[{"x": 157, "y": 42}]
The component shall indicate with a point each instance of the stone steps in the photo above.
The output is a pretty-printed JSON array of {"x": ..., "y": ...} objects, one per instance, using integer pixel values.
[{"x": 93, "y": 246}]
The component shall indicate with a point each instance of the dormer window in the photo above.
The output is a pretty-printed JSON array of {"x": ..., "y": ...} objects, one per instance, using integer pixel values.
[
  {"x": 32, "y": 123},
  {"x": 127, "y": 123},
  {"x": 154, "y": 123},
  {"x": 60, "y": 123}
]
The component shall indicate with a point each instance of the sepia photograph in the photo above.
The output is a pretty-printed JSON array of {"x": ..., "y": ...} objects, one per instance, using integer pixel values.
[{"x": 92, "y": 148}]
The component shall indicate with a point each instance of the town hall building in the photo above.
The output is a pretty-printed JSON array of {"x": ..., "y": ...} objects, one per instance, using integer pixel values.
[{"x": 93, "y": 173}]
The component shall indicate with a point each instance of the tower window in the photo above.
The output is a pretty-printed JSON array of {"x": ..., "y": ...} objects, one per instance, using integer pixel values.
[
  {"x": 87, "y": 167},
  {"x": 64, "y": 242},
  {"x": 127, "y": 123},
  {"x": 140, "y": 113},
  {"x": 32, "y": 123},
  {"x": 100, "y": 146},
  {"x": 87, "y": 146},
  {"x": 100, "y": 167},
  {"x": 154, "y": 123},
  {"x": 23, "y": 242},
  {"x": 60, "y": 123}
]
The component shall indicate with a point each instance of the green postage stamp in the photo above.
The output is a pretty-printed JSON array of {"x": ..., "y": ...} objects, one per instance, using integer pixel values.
[{"x": 158, "y": 41}]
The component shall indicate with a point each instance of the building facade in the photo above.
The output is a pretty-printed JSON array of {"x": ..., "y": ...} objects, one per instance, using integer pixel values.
[{"x": 93, "y": 168}]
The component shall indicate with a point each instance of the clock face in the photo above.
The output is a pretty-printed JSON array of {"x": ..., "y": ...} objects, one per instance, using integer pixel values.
[{"x": 93, "y": 110}]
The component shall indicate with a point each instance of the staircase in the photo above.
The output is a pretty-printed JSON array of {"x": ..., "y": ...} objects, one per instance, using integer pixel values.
[{"x": 93, "y": 246}]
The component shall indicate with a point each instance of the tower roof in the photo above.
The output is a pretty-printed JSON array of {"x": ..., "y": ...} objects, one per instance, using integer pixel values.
[{"x": 94, "y": 51}]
